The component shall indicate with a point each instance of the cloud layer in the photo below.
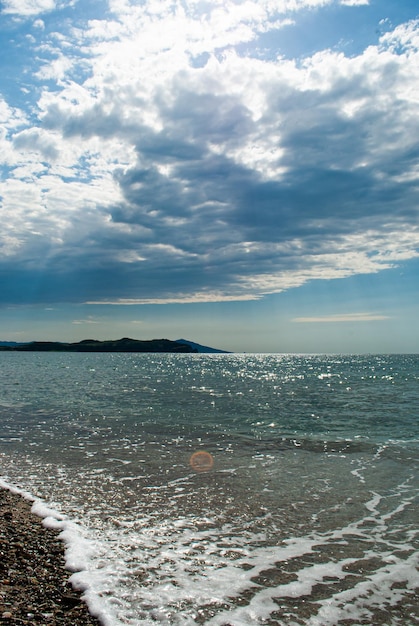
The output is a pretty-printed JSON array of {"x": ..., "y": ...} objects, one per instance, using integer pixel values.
[{"x": 165, "y": 153}]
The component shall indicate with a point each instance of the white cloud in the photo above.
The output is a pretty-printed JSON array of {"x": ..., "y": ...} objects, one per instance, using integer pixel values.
[
  {"x": 179, "y": 299},
  {"x": 404, "y": 39},
  {"x": 89, "y": 320},
  {"x": 341, "y": 318},
  {"x": 354, "y": 3},
  {"x": 28, "y": 7},
  {"x": 11, "y": 118},
  {"x": 39, "y": 142},
  {"x": 55, "y": 69}
]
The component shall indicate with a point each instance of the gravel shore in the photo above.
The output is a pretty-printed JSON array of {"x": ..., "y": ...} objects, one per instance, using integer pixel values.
[{"x": 34, "y": 587}]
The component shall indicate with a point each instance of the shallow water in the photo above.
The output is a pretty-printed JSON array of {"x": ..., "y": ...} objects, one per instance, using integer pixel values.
[{"x": 308, "y": 515}]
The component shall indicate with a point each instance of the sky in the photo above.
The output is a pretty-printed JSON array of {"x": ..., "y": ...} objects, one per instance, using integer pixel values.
[{"x": 240, "y": 173}]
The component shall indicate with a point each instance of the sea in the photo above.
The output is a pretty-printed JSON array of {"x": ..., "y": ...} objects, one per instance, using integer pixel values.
[{"x": 223, "y": 489}]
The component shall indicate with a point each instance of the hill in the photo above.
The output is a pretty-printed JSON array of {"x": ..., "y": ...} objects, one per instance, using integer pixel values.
[
  {"x": 197, "y": 347},
  {"x": 92, "y": 345}
]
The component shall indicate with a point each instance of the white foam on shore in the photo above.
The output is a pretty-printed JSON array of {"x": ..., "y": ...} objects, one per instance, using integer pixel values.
[
  {"x": 187, "y": 569},
  {"x": 78, "y": 551},
  {"x": 172, "y": 572},
  {"x": 379, "y": 590},
  {"x": 13, "y": 489}
]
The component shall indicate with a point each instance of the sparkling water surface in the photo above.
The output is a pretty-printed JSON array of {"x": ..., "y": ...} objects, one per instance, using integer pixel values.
[{"x": 308, "y": 516}]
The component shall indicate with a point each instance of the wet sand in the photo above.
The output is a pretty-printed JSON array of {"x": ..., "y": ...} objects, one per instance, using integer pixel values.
[{"x": 34, "y": 587}]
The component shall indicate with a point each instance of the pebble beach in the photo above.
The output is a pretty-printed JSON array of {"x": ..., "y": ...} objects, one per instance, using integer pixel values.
[{"x": 34, "y": 584}]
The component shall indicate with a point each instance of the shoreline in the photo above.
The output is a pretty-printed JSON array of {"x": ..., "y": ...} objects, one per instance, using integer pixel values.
[{"x": 34, "y": 583}]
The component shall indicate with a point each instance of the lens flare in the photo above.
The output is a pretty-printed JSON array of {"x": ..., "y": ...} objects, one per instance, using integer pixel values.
[{"x": 201, "y": 461}]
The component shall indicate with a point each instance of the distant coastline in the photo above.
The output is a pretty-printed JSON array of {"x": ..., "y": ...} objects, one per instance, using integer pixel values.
[
  {"x": 92, "y": 345},
  {"x": 125, "y": 344}
]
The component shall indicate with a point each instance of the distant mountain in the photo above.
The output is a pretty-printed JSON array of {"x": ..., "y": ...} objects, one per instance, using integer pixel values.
[
  {"x": 92, "y": 345},
  {"x": 197, "y": 347},
  {"x": 119, "y": 345}
]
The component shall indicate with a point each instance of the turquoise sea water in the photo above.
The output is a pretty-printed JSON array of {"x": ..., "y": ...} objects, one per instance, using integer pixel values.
[{"x": 309, "y": 514}]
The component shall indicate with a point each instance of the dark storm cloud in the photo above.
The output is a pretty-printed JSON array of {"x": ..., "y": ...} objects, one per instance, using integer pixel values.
[{"x": 232, "y": 178}]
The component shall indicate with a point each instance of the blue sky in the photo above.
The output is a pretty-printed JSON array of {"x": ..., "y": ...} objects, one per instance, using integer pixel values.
[{"x": 244, "y": 174}]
